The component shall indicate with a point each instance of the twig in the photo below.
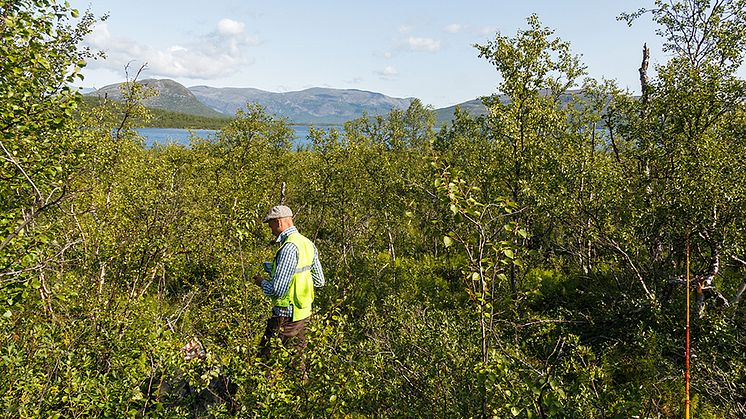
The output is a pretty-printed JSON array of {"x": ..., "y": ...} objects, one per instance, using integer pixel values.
[
  {"x": 11, "y": 159},
  {"x": 127, "y": 112},
  {"x": 34, "y": 213},
  {"x": 520, "y": 326}
]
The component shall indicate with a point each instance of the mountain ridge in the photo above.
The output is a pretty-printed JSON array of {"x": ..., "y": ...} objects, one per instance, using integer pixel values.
[
  {"x": 308, "y": 106},
  {"x": 172, "y": 96},
  {"x": 314, "y": 105}
]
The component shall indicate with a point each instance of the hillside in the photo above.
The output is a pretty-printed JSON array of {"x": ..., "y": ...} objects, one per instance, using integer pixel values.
[
  {"x": 161, "y": 118},
  {"x": 473, "y": 107},
  {"x": 172, "y": 97},
  {"x": 476, "y": 107},
  {"x": 311, "y": 106}
]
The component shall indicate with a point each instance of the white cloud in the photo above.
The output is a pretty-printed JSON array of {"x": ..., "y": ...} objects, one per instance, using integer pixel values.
[
  {"x": 405, "y": 29},
  {"x": 487, "y": 30},
  {"x": 388, "y": 72},
  {"x": 454, "y": 28},
  {"x": 230, "y": 27},
  {"x": 99, "y": 35},
  {"x": 387, "y": 55},
  {"x": 216, "y": 54},
  {"x": 423, "y": 44}
]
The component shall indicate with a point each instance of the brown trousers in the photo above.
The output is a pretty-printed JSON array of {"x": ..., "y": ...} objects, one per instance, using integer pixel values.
[{"x": 292, "y": 334}]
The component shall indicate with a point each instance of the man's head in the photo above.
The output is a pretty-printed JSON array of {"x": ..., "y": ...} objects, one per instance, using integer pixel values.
[{"x": 279, "y": 218}]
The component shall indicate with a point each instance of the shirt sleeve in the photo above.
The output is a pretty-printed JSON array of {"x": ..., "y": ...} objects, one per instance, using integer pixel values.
[
  {"x": 287, "y": 260},
  {"x": 317, "y": 274}
]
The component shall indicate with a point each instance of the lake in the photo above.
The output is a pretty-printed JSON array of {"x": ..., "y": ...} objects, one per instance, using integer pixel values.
[{"x": 153, "y": 136}]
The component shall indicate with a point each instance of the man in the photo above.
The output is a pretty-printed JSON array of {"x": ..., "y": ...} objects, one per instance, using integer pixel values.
[{"x": 294, "y": 273}]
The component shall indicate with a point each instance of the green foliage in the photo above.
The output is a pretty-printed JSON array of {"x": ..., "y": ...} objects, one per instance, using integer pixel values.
[
  {"x": 526, "y": 263},
  {"x": 40, "y": 149},
  {"x": 160, "y": 118},
  {"x": 687, "y": 155}
]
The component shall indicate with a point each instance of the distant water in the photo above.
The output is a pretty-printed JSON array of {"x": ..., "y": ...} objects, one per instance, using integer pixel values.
[
  {"x": 165, "y": 136},
  {"x": 180, "y": 136}
]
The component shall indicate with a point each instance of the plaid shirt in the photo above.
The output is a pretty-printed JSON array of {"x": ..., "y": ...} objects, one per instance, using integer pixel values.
[{"x": 286, "y": 262}]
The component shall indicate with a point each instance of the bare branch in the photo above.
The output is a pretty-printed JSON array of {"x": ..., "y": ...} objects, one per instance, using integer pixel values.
[
  {"x": 632, "y": 265},
  {"x": 34, "y": 213},
  {"x": 128, "y": 111},
  {"x": 28, "y": 178},
  {"x": 741, "y": 288},
  {"x": 644, "y": 73}
]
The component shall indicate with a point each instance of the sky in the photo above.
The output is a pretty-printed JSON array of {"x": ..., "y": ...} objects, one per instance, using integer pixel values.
[{"x": 403, "y": 48}]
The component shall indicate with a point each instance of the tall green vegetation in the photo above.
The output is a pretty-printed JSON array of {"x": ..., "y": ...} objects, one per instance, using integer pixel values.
[
  {"x": 525, "y": 263},
  {"x": 160, "y": 118},
  {"x": 40, "y": 148}
]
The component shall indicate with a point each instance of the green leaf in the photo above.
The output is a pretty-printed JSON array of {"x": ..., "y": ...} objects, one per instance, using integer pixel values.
[{"x": 447, "y": 241}]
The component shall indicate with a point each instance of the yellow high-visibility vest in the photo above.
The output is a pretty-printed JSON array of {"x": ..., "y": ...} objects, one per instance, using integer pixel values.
[{"x": 300, "y": 292}]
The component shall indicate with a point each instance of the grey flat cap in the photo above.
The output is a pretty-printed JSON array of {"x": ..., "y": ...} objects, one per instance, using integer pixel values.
[{"x": 279, "y": 211}]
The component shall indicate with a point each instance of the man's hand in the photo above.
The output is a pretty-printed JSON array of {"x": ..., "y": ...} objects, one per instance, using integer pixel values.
[{"x": 258, "y": 280}]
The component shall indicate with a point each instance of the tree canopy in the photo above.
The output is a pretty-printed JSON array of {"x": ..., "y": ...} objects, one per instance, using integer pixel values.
[{"x": 530, "y": 262}]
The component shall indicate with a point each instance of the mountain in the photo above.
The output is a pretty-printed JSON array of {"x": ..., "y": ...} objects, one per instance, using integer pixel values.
[
  {"x": 172, "y": 97},
  {"x": 311, "y": 106},
  {"x": 475, "y": 107},
  {"x": 85, "y": 90}
]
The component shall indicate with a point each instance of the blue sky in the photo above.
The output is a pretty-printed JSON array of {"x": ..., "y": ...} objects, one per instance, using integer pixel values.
[{"x": 404, "y": 48}]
